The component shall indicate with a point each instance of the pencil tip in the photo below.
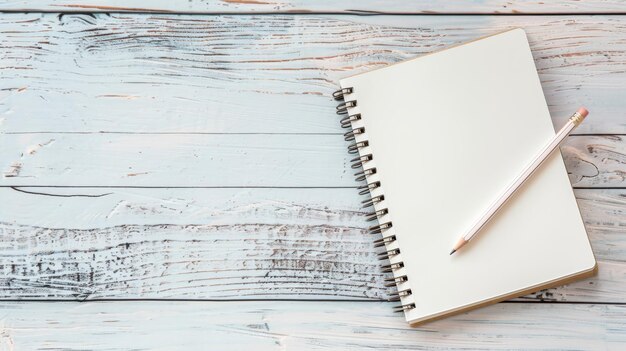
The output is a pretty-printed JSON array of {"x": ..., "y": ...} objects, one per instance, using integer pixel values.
[{"x": 453, "y": 251}]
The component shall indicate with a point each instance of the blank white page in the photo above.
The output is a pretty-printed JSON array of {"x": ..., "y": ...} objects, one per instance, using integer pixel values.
[{"x": 448, "y": 132}]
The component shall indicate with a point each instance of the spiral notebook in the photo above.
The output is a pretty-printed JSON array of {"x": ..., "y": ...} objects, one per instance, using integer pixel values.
[{"x": 435, "y": 140}]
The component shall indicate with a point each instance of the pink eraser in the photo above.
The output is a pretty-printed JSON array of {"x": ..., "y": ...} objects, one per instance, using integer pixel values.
[{"x": 583, "y": 112}]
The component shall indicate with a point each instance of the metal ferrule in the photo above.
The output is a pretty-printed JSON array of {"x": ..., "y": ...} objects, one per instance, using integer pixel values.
[{"x": 577, "y": 118}]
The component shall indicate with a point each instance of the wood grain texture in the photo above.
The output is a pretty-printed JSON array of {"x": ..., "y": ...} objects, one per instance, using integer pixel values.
[
  {"x": 323, "y": 6},
  {"x": 596, "y": 161},
  {"x": 304, "y": 326},
  {"x": 270, "y": 74},
  {"x": 104, "y": 243},
  {"x": 222, "y": 160},
  {"x": 168, "y": 100},
  {"x": 188, "y": 243}
]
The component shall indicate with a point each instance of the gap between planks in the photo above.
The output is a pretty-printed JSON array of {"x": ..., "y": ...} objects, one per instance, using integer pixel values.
[
  {"x": 334, "y": 300},
  {"x": 296, "y": 7},
  {"x": 354, "y": 13}
]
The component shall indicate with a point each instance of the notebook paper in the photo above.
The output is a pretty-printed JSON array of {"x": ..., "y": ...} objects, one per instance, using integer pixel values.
[{"x": 448, "y": 132}]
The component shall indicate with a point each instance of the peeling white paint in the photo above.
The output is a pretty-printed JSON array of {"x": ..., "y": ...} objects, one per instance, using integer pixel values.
[
  {"x": 13, "y": 170},
  {"x": 31, "y": 150}
]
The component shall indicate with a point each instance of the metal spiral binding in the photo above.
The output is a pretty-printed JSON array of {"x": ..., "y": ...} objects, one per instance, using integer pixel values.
[
  {"x": 404, "y": 308},
  {"x": 364, "y": 189},
  {"x": 354, "y": 148},
  {"x": 351, "y": 135},
  {"x": 338, "y": 95},
  {"x": 389, "y": 253},
  {"x": 388, "y": 268},
  {"x": 343, "y": 107},
  {"x": 346, "y": 122},
  {"x": 380, "y": 228},
  {"x": 385, "y": 239},
  {"x": 401, "y": 293}
]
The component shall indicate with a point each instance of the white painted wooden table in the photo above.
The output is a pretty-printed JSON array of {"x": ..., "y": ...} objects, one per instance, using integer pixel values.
[{"x": 173, "y": 175}]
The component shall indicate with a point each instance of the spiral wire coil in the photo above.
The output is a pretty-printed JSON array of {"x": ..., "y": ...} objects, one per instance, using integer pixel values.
[{"x": 360, "y": 162}]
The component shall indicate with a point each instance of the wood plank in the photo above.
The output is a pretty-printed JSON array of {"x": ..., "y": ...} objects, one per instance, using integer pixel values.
[
  {"x": 271, "y": 74},
  {"x": 187, "y": 243},
  {"x": 320, "y": 6},
  {"x": 175, "y": 160},
  {"x": 304, "y": 326},
  {"x": 104, "y": 243},
  {"x": 103, "y": 159}
]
